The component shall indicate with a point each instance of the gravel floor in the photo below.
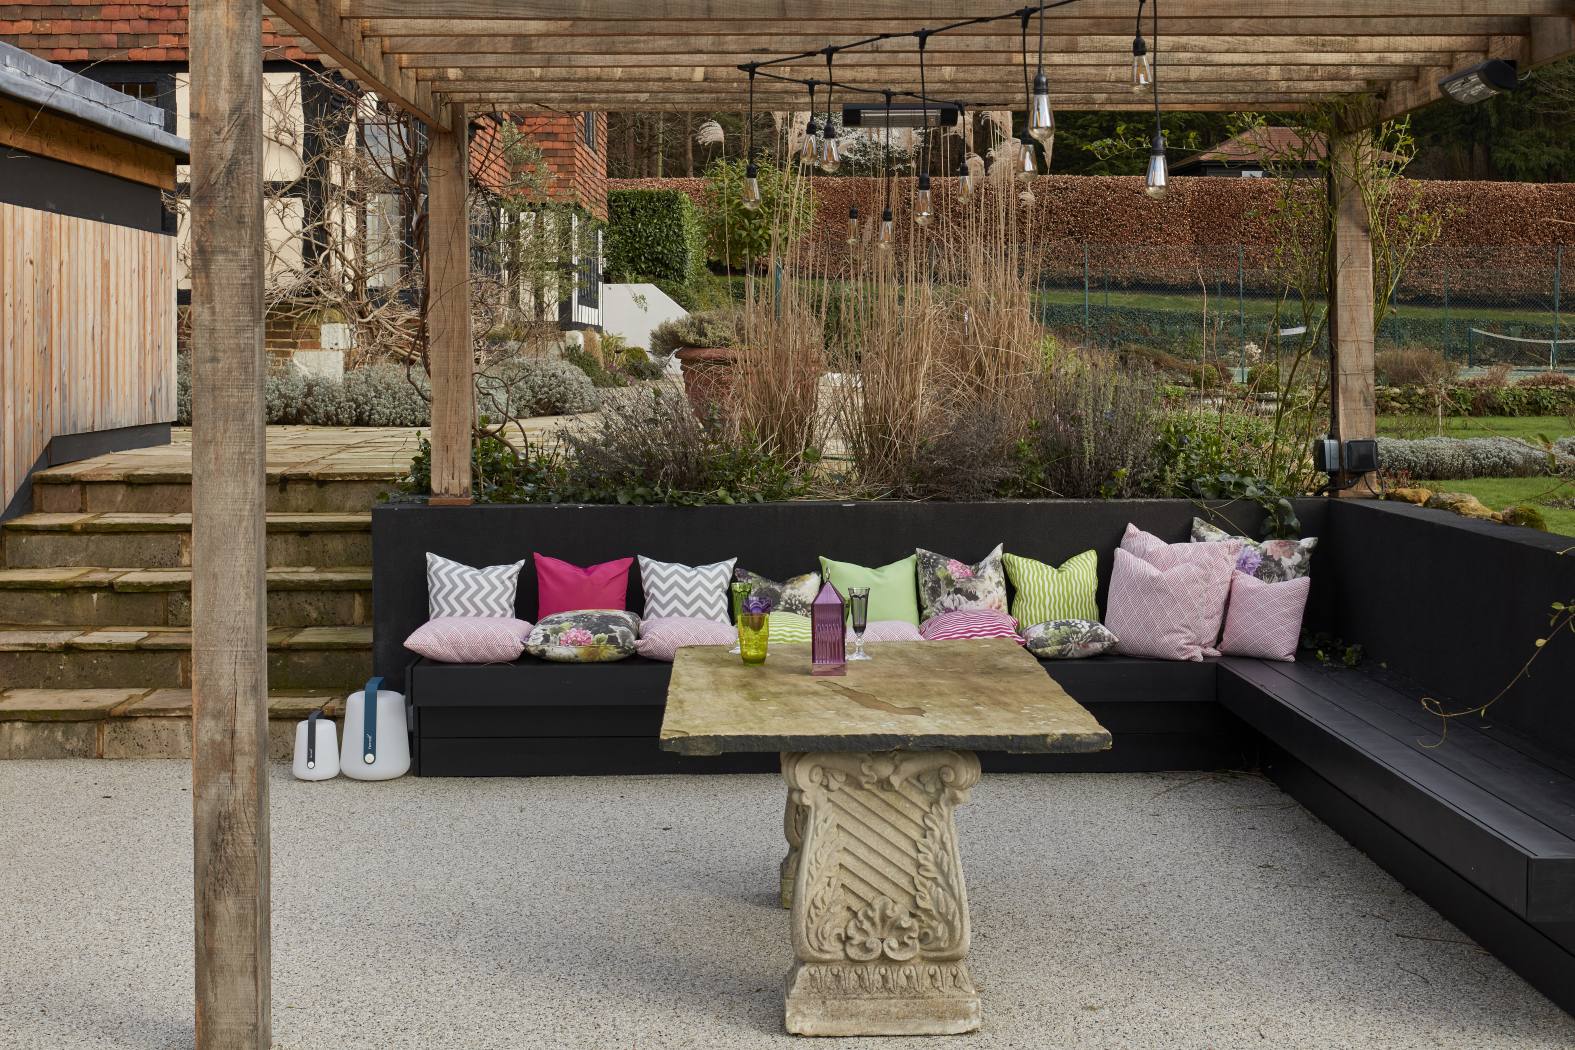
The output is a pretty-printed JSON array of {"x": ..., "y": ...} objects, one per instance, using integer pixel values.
[{"x": 1150, "y": 911}]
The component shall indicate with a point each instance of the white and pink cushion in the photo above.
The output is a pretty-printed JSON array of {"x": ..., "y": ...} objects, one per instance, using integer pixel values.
[
  {"x": 889, "y": 631},
  {"x": 662, "y": 636},
  {"x": 470, "y": 639},
  {"x": 1264, "y": 619},
  {"x": 1167, "y": 614},
  {"x": 1164, "y": 555},
  {"x": 970, "y": 623}
]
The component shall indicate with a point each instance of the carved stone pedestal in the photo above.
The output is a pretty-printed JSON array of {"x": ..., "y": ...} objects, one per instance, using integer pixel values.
[{"x": 880, "y": 913}]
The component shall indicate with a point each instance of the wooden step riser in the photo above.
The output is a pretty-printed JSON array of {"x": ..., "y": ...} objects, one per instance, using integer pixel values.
[
  {"x": 172, "y": 550},
  {"x": 85, "y": 607},
  {"x": 295, "y": 497},
  {"x": 339, "y": 670}
]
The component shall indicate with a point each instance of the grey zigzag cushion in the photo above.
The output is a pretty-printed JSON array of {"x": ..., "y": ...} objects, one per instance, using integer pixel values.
[
  {"x": 457, "y": 589},
  {"x": 672, "y": 589}
]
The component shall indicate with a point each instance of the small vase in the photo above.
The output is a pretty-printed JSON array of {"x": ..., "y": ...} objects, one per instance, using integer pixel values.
[{"x": 752, "y": 631}]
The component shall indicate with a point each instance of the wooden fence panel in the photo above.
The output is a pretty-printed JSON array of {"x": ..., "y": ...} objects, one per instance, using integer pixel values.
[{"x": 87, "y": 332}]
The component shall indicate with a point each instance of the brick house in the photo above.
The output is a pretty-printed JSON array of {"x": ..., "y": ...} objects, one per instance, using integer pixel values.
[{"x": 141, "y": 49}]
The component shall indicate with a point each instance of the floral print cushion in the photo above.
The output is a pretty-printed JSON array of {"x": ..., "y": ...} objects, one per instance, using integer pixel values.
[
  {"x": 590, "y": 636},
  {"x": 1272, "y": 561},
  {"x": 949, "y": 585},
  {"x": 1068, "y": 639},
  {"x": 793, "y": 595}
]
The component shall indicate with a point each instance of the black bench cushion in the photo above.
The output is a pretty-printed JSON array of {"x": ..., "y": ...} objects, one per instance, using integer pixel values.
[{"x": 1491, "y": 806}]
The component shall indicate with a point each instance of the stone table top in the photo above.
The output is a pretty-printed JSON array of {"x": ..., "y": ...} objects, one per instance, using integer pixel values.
[{"x": 975, "y": 695}]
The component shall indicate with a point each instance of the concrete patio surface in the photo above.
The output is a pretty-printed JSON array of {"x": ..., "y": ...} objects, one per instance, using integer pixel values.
[{"x": 1110, "y": 910}]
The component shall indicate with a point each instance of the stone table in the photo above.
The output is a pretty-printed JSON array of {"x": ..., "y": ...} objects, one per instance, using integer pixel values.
[{"x": 876, "y": 762}]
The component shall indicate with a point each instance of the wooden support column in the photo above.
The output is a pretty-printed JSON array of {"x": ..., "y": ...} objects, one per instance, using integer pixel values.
[
  {"x": 450, "y": 351},
  {"x": 1352, "y": 405},
  {"x": 229, "y": 634}
]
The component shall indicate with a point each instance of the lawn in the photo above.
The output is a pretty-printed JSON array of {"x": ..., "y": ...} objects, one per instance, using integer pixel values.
[
  {"x": 1499, "y": 493},
  {"x": 1528, "y": 428}
]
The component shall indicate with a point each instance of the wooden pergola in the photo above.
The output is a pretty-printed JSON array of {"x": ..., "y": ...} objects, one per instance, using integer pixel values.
[{"x": 447, "y": 60}]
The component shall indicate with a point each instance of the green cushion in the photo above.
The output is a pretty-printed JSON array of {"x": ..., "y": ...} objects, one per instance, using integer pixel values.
[
  {"x": 893, "y": 588},
  {"x": 787, "y": 628},
  {"x": 1046, "y": 593}
]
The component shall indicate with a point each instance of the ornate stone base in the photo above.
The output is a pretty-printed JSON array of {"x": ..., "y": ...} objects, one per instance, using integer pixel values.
[{"x": 880, "y": 911}]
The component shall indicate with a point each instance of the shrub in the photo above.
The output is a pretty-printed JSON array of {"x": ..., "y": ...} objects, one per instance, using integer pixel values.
[
  {"x": 600, "y": 376},
  {"x": 1414, "y": 366},
  {"x": 1194, "y": 444},
  {"x": 1452, "y": 459},
  {"x": 655, "y": 236},
  {"x": 518, "y": 387},
  {"x": 738, "y": 237},
  {"x": 710, "y": 328},
  {"x": 385, "y": 396}
]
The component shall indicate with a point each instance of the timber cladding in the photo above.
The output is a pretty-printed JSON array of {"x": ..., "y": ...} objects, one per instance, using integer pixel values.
[{"x": 87, "y": 332}]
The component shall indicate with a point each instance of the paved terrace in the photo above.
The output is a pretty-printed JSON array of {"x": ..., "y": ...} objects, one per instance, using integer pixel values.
[{"x": 1110, "y": 910}]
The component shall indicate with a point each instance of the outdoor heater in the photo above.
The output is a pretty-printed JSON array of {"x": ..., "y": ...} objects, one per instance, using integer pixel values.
[
  {"x": 901, "y": 115},
  {"x": 1481, "y": 82}
]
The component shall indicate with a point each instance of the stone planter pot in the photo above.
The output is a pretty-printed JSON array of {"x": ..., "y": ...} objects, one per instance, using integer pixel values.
[{"x": 708, "y": 377}]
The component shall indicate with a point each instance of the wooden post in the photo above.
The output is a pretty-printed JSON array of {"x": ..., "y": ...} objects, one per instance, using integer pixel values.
[
  {"x": 229, "y": 633},
  {"x": 1352, "y": 403},
  {"x": 449, "y": 347}
]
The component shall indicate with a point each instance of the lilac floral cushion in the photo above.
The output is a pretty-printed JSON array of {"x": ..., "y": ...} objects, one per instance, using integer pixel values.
[
  {"x": 950, "y": 585},
  {"x": 1272, "y": 561},
  {"x": 1068, "y": 639},
  {"x": 590, "y": 636}
]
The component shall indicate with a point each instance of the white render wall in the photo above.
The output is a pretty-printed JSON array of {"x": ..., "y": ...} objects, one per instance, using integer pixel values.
[{"x": 632, "y": 310}]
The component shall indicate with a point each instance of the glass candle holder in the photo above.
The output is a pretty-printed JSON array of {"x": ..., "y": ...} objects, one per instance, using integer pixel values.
[
  {"x": 858, "y": 616},
  {"x": 753, "y": 631}
]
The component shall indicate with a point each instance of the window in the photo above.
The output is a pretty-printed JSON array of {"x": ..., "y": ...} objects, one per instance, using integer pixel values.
[{"x": 588, "y": 129}]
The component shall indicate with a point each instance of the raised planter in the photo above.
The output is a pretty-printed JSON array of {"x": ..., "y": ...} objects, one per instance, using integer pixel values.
[{"x": 708, "y": 377}]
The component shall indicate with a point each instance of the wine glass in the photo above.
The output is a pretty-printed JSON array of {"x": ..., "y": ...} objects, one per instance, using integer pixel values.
[
  {"x": 859, "y": 609},
  {"x": 738, "y": 590}
]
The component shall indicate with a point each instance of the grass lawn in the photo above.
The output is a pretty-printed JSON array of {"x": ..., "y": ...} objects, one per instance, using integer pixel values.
[
  {"x": 1529, "y": 428},
  {"x": 1499, "y": 493}
]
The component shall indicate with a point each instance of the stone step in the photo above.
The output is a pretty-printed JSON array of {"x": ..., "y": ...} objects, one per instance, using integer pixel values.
[
  {"x": 73, "y": 658},
  {"x": 160, "y": 491},
  {"x": 93, "y": 596},
  {"x": 163, "y": 540},
  {"x": 117, "y": 722}
]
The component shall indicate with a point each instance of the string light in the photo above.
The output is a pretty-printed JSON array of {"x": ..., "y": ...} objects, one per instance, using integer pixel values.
[
  {"x": 809, "y": 148},
  {"x": 1026, "y": 167},
  {"x": 1142, "y": 72},
  {"x": 923, "y": 210},
  {"x": 1041, "y": 120},
  {"x": 751, "y": 198},
  {"x": 1157, "y": 181},
  {"x": 830, "y": 152},
  {"x": 884, "y": 240}
]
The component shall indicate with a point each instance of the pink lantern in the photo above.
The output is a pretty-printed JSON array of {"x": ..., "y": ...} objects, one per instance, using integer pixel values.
[{"x": 828, "y": 638}]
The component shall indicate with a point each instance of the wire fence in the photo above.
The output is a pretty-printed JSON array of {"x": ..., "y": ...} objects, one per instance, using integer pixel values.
[{"x": 1480, "y": 306}]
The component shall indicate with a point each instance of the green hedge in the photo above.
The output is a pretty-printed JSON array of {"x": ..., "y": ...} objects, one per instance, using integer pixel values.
[
  {"x": 1467, "y": 399},
  {"x": 655, "y": 236}
]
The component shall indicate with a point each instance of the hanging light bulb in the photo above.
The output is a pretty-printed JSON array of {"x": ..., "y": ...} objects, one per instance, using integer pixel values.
[
  {"x": 830, "y": 152},
  {"x": 1142, "y": 72},
  {"x": 1027, "y": 168},
  {"x": 965, "y": 187},
  {"x": 751, "y": 186},
  {"x": 1158, "y": 182},
  {"x": 809, "y": 149},
  {"x": 923, "y": 207},
  {"x": 972, "y": 173},
  {"x": 885, "y": 230},
  {"x": 853, "y": 226},
  {"x": 1041, "y": 120}
]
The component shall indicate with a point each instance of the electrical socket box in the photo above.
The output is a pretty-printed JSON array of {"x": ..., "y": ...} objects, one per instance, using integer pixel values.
[
  {"x": 1326, "y": 455},
  {"x": 1361, "y": 456}
]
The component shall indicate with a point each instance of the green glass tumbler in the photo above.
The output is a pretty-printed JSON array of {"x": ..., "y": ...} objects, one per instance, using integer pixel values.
[{"x": 753, "y": 629}]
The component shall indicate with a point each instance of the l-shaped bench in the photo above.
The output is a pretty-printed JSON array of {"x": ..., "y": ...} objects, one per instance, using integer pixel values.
[{"x": 1480, "y": 822}]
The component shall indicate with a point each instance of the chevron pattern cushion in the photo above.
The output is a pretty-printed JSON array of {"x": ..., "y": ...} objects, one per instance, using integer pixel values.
[
  {"x": 696, "y": 591},
  {"x": 456, "y": 589},
  {"x": 562, "y": 587},
  {"x": 661, "y": 638},
  {"x": 1046, "y": 593},
  {"x": 1264, "y": 619},
  {"x": 969, "y": 623},
  {"x": 1168, "y": 614},
  {"x": 470, "y": 639}
]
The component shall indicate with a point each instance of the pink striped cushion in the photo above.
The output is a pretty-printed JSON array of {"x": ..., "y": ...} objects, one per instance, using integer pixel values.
[
  {"x": 1164, "y": 555},
  {"x": 661, "y": 637},
  {"x": 970, "y": 623},
  {"x": 470, "y": 639},
  {"x": 889, "y": 631},
  {"x": 1169, "y": 614},
  {"x": 1264, "y": 619}
]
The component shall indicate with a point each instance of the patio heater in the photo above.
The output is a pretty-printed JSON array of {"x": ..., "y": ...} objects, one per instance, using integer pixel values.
[{"x": 1481, "y": 81}]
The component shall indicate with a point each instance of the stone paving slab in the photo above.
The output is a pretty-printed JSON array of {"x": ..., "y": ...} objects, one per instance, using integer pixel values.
[
  {"x": 62, "y": 705},
  {"x": 280, "y": 578},
  {"x": 24, "y": 640}
]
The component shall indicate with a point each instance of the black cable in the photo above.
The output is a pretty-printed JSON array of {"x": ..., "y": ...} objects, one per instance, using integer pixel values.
[
  {"x": 1153, "y": 66},
  {"x": 886, "y": 211},
  {"x": 1027, "y": 93},
  {"x": 830, "y": 83},
  {"x": 924, "y": 146}
]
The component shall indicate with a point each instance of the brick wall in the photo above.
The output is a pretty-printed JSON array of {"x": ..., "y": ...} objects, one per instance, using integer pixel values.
[
  {"x": 151, "y": 31},
  {"x": 577, "y": 172}
]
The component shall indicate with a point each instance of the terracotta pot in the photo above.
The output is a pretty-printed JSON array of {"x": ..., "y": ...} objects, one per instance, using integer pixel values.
[{"x": 708, "y": 377}]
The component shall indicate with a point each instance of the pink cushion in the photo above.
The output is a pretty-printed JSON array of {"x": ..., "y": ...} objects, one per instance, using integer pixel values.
[
  {"x": 1264, "y": 619},
  {"x": 662, "y": 636},
  {"x": 1164, "y": 555},
  {"x": 889, "y": 631},
  {"x": 971, "y": 623},
  {"x": 561, "y": 587},
  {"x": 1169, "y": 614},
  {"x": 470, "y": 639}
]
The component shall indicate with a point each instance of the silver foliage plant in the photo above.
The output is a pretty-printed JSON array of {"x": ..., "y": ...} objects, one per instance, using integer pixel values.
[{"x": 1453, "y": 459}]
